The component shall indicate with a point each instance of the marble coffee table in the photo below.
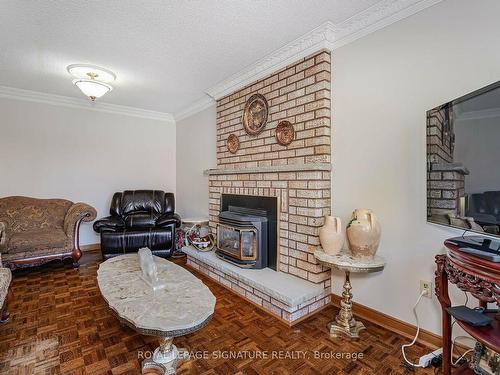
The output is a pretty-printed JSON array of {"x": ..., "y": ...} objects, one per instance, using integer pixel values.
[{"x": 185, "y": 305}]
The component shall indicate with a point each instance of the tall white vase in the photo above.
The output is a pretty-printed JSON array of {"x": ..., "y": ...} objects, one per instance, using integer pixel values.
[
  {"x": 363, "y": 234},
  {"x": 331, "y": 235}
]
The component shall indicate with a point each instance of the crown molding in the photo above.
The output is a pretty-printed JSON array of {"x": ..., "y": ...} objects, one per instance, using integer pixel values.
[
  {"x": 66, "y": 101},
  {"x": 322, "y": 37},
  {"x": 194, "y": 108},
  {"x": 376, "y": 17},
  {"x": 326, "y": 36}
]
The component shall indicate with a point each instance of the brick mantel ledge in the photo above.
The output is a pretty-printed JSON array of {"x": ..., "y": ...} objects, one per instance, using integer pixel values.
[{"x": 272, "y": 168}]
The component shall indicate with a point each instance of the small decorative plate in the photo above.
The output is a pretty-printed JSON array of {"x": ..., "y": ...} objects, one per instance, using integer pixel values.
[
  {"x": 255, "y": 114},
  {"x": 285, "y": 133},
  {"x": 232, "y": 143}
]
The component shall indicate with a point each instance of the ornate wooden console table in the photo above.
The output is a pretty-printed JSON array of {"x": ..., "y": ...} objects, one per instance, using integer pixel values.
[{"x": 477, "y": 276}]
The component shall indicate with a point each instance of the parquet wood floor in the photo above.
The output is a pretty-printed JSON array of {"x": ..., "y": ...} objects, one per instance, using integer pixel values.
[{"x": 61, "y": 325}]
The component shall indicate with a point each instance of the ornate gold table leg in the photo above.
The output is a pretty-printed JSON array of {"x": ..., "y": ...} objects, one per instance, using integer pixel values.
[
  {"x": 165, "y": 358},
  {"x": 345, "y": 323}
]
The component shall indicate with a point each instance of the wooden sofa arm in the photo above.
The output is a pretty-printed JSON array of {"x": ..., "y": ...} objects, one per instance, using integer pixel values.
[{"x": 77, "y": 213}]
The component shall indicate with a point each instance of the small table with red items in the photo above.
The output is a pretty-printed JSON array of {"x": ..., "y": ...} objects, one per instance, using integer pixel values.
[{"x": 196, "y": 232}]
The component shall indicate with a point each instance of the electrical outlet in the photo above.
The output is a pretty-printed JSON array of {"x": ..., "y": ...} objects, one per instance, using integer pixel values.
[{"x": 426, "y": 287}]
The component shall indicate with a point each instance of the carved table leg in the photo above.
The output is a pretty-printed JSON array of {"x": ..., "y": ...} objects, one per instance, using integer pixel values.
[
  {"x": 4, "y": 313},
  {"x": 165, "y": 358},
  {"x": 345, "y": 323},
  {"x": 441, "y": 282}
]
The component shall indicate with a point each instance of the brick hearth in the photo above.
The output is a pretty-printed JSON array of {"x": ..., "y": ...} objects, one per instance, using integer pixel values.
[{"x": 285, "y": 296}]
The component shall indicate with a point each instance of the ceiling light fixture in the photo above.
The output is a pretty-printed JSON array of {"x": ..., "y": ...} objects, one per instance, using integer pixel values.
[{"x": 92, "y": 80}]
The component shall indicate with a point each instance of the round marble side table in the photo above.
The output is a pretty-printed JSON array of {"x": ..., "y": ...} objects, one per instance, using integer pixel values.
[{"x": 344, "y": 323}]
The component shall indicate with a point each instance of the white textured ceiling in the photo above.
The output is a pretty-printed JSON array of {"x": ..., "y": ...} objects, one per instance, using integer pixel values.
[{"x": 165, "y": 53}]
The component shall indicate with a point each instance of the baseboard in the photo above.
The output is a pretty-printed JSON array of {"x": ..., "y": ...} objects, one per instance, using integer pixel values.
[
  {"x": 408, "y": 330},
  {"x": 90, "y": 248}
]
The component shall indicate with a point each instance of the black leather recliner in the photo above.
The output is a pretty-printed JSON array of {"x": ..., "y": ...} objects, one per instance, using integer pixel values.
[{"x": 139, "y": 218}]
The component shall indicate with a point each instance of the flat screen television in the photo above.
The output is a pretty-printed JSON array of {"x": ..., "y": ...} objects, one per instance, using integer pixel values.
[{"x": 463, "y": 162}]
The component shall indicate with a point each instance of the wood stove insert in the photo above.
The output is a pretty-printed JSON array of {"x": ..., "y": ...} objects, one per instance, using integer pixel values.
[{"x": 246, "y": 233}]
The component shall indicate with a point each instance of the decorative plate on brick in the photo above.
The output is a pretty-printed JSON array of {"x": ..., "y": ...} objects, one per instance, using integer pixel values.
[
  {"x": 233, "y": 143},
  {"x": 285, "y": 133},
  {"x": 255, "y": 114}
]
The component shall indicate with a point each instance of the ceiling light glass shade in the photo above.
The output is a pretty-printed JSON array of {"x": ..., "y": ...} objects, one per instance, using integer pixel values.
[
  {"x": 92, "y": 88},
  {"x": 86, "y": 71}
]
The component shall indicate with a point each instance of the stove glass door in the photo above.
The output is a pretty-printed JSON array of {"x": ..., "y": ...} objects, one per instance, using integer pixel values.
[
  {"x": 228, "y": 240},
  {"x": 240, "y": 243},
  {"x": 248, "y": 244}
]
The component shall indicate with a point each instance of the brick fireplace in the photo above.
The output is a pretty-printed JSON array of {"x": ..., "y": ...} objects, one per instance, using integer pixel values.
[{"x": 298, "y": 175}]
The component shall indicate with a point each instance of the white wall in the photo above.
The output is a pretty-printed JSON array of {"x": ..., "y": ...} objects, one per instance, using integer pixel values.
[
  {"x": 196, "y": 151},
  {"x": 383, "y": 85},
  {"x": 476, "y": 147},
  {"x": 51, "y": 151}
]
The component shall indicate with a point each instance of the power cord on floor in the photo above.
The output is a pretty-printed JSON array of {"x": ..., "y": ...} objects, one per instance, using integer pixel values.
[
  {"x": 462, "y": 356},
  {"x": 438, "y": 359},
  {"x": 403, "y": 347}
]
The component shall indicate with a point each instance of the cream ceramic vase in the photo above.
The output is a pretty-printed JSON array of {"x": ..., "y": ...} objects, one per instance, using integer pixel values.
[
  {"x": 363, "y": 234},
  {"x": 331, "y": 235}
]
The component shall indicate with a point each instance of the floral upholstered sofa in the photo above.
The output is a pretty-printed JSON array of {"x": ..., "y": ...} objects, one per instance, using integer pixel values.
[{"x": 36, "y": 231}]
